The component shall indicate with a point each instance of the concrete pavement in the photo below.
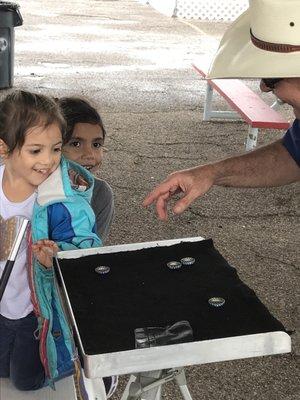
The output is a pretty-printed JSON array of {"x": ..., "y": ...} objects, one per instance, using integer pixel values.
[{"x": 135, "y": 65}]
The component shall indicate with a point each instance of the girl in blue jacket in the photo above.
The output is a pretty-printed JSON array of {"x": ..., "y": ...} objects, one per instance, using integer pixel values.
[{"x": 36, "y": 345}]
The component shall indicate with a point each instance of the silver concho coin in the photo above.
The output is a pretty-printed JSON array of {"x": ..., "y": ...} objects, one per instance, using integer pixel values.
[
  {"x": 187, "y": 261},
  {"x": 216, "y": 301},
  {"x": 102, "y": 269},
  {"x": 174, "y": 264}
]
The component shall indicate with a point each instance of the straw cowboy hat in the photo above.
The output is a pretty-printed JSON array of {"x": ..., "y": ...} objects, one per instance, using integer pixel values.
[{"x": 264, "y": 42}]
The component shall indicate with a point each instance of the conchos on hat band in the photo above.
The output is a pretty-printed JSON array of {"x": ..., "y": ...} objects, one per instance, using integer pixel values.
[{"x": 275, "y": 47}]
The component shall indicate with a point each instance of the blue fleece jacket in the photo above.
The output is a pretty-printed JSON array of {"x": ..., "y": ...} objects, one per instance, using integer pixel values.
[{"x": 62, "y": 213}]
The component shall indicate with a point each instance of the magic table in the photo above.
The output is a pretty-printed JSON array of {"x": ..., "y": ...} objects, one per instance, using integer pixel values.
[{"x": 141, "y": 291}]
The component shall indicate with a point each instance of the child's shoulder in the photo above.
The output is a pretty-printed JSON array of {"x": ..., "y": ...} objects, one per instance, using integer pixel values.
[
  {"x": 102, "y": 188},
  {"x": 103, "y": 204}
]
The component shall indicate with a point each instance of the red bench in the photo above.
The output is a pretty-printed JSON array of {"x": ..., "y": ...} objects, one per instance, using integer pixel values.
[{"x": 255, "y": 112}]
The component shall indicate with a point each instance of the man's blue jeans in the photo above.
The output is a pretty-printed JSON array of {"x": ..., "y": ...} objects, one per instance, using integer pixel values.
[{"x": 19, "y": 353}]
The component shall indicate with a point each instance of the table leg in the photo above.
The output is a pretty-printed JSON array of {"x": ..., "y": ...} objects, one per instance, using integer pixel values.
[
  {"x": 181, "y": 382},
  {"x": 94, "y": 387},
  {"x": 125, "y": 394},
  {"x": 148, "y": 385}
]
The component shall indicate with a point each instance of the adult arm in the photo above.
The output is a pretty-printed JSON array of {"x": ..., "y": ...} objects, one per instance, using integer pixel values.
[
  {"x": 267, "y": 166},
  {"x": 271, "y": 165}
]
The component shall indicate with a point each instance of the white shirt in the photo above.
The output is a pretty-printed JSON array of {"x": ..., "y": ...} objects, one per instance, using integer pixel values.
[{"x": 16, "y": 301}]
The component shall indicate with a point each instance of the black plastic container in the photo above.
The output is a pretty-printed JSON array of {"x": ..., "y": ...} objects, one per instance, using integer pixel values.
[{"x": 9, "y": 18}]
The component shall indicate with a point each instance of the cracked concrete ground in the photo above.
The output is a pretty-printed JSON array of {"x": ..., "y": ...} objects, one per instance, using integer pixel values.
[{"x": 135, "y": 64}]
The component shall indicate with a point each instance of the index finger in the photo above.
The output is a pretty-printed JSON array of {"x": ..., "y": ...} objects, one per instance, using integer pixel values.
[
  {"x": 164, "y": 190},
  {"x": 161, "y": 206}
]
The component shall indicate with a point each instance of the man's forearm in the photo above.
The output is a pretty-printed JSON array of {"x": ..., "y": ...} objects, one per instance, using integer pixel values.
[{"x": 270, "y": 165}]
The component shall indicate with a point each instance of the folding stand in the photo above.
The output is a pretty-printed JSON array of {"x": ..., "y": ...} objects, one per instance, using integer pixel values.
[{"x": 148, "y": 385}]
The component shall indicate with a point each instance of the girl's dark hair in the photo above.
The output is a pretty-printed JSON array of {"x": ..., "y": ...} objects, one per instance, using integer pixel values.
[
  {"x": 76, "y": 110},
  {"x": 22, "y": 110}
]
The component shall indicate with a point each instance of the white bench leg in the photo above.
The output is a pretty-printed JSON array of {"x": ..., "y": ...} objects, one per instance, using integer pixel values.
[
  {"x": 209, "y": 113},
  {"x": 208, "y": 102},
  {"x": 251, "y": 138}
]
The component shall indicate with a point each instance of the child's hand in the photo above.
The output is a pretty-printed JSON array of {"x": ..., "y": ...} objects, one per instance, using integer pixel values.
[{"x": 44, "y": 250}]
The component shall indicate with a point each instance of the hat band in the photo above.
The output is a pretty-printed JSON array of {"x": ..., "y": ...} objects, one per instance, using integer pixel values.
[{"x": 275, "y": 47}]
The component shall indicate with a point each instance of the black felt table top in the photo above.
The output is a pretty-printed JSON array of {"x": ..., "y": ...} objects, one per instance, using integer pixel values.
[{"x": 141, "y": 291}]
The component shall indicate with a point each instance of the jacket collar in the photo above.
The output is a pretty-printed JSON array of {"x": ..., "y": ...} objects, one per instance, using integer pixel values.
[{"x": 57, "y": 187}]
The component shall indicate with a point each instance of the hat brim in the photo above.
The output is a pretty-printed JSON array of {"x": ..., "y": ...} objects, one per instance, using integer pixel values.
[{"x": 237, "y": 57}]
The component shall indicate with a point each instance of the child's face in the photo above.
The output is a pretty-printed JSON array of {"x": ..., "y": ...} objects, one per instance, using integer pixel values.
[
  {"x": 38, "y": 157},
  {"x": 86, "y": 146}
]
